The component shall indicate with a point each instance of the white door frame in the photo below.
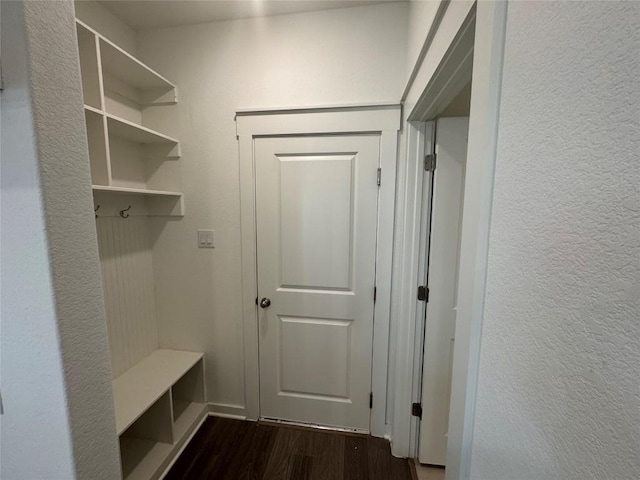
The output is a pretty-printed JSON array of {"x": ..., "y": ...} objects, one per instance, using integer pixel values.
[
  {"x": 384, "y": 120},
  {"x": 488, "y": 48}
]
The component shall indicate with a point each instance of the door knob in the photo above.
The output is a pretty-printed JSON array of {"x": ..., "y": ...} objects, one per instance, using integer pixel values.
[{"x": 265, "y": 302}]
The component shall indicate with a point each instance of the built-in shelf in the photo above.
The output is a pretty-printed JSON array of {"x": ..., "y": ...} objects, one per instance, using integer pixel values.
[
  {"x": 135, "y": 191},
  {"x": 126, "y": 156},
  {"x": 89, "y": 108},
  {"x": 160, "y": 146},
  {"x": 188, "y": 413},
  {"x": 147, "y": 202},
  {"x": 141, "y": 458},
  {"x": 159, "y": 401},
  {"x": 119, "y": 127},
  {"x": 125, "y": 67},
  {"x": 145, "y": 85},
  {"x": 141, "y": 386},
  {"x": 158, "y": 404}
]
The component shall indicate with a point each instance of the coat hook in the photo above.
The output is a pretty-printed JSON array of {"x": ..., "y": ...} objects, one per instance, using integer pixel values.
[
  {"x": 95, "y": 210},
  {"x": 122, "y": 212}
]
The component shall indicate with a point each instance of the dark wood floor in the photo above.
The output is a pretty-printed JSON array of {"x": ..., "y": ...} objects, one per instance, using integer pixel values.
[{"x": 237, "y": 450}]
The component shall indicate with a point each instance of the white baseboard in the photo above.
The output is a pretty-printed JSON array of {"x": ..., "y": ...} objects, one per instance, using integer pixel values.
[{"x": 227, "y": 411}]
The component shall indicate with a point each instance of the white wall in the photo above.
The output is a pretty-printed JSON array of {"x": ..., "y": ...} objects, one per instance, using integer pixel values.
[
  {"x": 560, "y": 357},
  {"x": 345, "y": 56},
  {"x": 58, "y": 410}
]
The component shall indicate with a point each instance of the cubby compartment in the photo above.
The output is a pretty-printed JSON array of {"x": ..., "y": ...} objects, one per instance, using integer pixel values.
[
  {"x": 128, "y": 169},
  {"x": 98, "y": 148},
  {"x": 158, "y": 403},
  {"x": 187, "y": 395},
  {"x": 146, "y": 444},
  {"x": 89, "y": 67},
  {"x": 131, "y": 84}
]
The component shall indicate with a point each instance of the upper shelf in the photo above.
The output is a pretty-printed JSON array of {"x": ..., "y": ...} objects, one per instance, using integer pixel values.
[
  {"x": 129, "y": 69},
  {"x": 122, "y": 128},
  {"x": 152, "y": 88}
]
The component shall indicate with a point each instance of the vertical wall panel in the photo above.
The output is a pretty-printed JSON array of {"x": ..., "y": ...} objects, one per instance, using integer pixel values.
[{"x": 127, "y": 275}]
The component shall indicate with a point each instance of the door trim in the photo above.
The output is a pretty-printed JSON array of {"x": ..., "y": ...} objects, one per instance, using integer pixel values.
[
  {"x": 489, "y": 44},
  {"x": 384, "y": 120}
]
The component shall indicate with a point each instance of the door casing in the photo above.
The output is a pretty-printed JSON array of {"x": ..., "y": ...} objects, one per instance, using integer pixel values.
[
  {"x": 488, "y": 48},
  {"x": 383, "y": 120}
]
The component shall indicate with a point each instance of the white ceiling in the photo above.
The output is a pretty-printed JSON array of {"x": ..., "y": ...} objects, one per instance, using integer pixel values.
[{"x": 141, "y": 14}]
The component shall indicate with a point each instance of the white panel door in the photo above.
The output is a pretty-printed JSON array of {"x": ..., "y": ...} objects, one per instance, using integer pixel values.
[
  {"x": 316, "y": 205},
  {"x": 442, "y": 279}
]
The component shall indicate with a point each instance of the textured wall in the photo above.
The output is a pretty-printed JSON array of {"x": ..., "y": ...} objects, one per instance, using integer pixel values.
[
  {"x": 558, "y": 390},
  {"x": 31, "y": 366},
  {"x": 343, "y": 56},
  {"x": 55, "y": 364}
]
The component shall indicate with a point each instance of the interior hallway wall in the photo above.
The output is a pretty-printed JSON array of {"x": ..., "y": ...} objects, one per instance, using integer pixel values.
[
  {"x": 335, "y": 57},
  {"x": 58, "y": 420},
  {"x": 560, "y": 359}
]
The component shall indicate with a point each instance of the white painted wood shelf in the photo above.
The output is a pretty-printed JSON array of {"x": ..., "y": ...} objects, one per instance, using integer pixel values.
[
  {"x": 139, "y": 387},
  {"x": 127, "y": 157},
  {"x": 120, "y": 127},
  {"x": 141, "y": 457},
  {"x": 144, "y": 201},
  {"x": 135, "y": 191},
  {"x": 147, "y": 87},
  {"x": 128, "y": 130},
  {"x": 159, "y": 401},
  {"x": 158, "y": 404},
  {"x": 129, "y": 69}
]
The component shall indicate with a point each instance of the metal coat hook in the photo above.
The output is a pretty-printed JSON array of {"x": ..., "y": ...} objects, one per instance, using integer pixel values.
[
  {"x": 123, "y": 213},
  {"x": 95, "y": 211}
]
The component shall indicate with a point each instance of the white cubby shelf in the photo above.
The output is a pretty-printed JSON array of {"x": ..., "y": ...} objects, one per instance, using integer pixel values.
[
  {"x": 158, "y": 403},
  {"x": 120, "y": 127},
  {"x": 160, "y": 400},
  {"x": 127, "y": 157},
  {"x": 145, "y": 86}
]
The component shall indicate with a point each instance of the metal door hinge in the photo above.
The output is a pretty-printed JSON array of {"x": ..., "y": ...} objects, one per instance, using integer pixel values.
[
  {"x": 423, "y": 293},
  {"x": 371, "y": 400},
  {"x": 379, "y": 176},
  {"x": 375, "y": 294},
  {"x": 416, "y": 410},
  {"x": 430, "y": 162}
]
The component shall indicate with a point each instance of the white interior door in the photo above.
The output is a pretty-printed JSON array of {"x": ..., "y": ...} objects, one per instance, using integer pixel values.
[
  {"x": 316, "y": 206},
  {"x": 442, "y": 280}
]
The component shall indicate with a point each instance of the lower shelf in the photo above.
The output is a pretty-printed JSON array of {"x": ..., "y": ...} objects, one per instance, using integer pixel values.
[
  {"x": 159, "y": 402},
  {"x": 185, "y": 414},
  {"x": 142, "y": 458}
]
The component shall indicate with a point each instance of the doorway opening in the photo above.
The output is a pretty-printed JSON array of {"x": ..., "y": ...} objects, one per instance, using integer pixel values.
[{"x": 471, "y": 66}]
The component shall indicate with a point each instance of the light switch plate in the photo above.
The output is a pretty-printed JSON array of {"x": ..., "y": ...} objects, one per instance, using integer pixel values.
[{"x": 205, "y": 239}]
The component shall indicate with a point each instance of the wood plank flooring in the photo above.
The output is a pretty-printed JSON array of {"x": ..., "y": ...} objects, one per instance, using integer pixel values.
[{"x": 225, "y": 449}]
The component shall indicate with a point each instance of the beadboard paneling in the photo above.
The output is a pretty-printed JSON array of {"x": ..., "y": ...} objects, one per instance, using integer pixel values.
[{"x": 127, "y": 276}]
